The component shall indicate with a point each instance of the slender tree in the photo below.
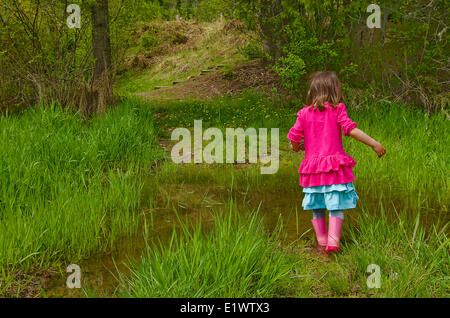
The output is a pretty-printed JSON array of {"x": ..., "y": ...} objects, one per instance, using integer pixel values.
[{"x": 101, "y": 46}]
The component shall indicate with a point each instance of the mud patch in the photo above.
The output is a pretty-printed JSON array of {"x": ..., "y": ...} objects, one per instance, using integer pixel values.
[{"x": 30, "y": 284}]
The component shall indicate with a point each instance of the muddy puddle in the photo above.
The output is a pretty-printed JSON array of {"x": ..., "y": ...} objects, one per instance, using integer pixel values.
[{"x": 194, "y": 202}]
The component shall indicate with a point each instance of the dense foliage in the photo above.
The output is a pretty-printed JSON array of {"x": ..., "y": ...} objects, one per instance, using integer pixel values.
[{"x": 407, "y": 57}]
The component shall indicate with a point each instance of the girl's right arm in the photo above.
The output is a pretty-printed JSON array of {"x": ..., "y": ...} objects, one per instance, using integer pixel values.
[
  {"x": 295, "y": 134},
  {"x": 361, "y": 136}
]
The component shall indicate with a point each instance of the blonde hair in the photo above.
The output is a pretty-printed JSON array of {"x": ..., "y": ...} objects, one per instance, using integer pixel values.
[{"x": 324, "y": 87}]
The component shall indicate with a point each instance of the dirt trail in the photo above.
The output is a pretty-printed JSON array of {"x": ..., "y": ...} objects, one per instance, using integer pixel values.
[{"x": 215, "y": 82}]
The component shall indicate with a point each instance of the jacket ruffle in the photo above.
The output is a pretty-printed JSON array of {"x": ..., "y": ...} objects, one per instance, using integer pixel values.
[{"x": 326, "y": 163}]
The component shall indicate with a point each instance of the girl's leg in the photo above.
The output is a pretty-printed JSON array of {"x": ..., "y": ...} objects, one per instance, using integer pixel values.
[
  {"x": 337, "y": 213},
  {"x": 318, "y": 214},
  {"x": 334, "y": 232},
  {"x": 320, "y": 227}
]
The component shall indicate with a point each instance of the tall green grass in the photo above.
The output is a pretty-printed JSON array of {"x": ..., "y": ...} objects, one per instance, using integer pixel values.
[
  {"x": 236, "y": 258},
  {"x": 413, "y": 261},
  {"x": 69, "y": 187}
]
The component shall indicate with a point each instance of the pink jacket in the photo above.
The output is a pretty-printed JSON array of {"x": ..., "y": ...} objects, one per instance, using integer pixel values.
[{"x": 325, "y": 161}]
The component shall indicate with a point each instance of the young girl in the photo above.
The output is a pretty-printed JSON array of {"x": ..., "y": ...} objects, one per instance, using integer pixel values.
[{"x": 326, "y": 172}]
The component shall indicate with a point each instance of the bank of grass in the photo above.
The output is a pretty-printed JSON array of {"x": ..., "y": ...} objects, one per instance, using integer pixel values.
[
  {"x": 412, "y": 262},
  {"x": 237, "y": 257},
  {"x": 69, "y": 187},
  {"x": 234, "y": 258}
]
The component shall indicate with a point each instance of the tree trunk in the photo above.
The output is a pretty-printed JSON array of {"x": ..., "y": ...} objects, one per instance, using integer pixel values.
[
  {"x": 271, "y": 40},
  {"x": 101, "y": 46}
]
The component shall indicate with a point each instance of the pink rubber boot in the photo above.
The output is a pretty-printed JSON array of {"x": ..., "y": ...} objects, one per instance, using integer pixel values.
[
  {"x": 334, "y": 234},
  {"x": 321, "y": 231}
]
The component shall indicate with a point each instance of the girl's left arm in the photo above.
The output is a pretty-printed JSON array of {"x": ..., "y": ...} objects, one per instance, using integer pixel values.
[
  {"x": 361, "y": 136},
  {"x": 349, "y": 129}
]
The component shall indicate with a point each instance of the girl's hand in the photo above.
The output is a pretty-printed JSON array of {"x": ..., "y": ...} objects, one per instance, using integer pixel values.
[
  {"x": 295, "y": 146},
  {"x": 302, "y": 146},
  {"x": 379, "y": 149}
]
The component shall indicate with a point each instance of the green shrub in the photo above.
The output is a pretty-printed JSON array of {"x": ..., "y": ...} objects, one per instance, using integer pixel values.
[
  {"x": 303, "y": 54},
  {"x": 149, "y": 41},
  {"x": 252, "y": 51}
]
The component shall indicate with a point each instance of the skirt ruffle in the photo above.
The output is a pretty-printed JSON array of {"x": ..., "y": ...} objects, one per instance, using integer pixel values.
[
  {"x": 329, "y": 163},
  {"x": 330, "y": 197}
]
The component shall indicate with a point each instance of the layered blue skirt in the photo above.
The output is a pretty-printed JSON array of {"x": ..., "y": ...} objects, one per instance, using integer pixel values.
[{"x": 331, "y": 197}]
